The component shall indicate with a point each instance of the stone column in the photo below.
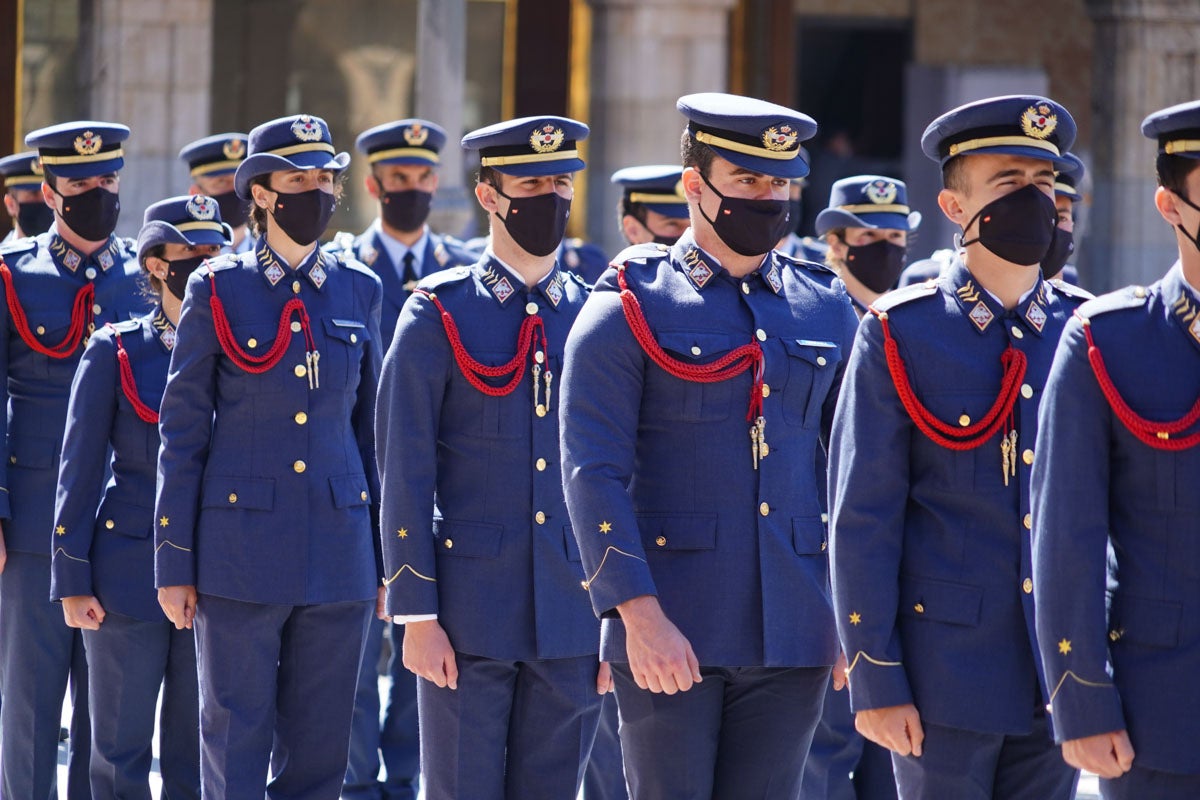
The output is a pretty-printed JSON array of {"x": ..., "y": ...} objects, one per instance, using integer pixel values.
[
  {"x": 151, "y": 65},
  {"x": 1145, "y": 59},
  {"x": 646, "y": 54},
  {"x": 440, "y": 81}
]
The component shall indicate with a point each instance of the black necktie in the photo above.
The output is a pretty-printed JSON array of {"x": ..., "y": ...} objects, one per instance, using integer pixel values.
[{"x": 410, "y": 271}]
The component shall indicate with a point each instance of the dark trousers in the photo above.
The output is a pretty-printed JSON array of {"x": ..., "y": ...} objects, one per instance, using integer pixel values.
[
  {"x": 1141, "y": 783},
  {"x": 842, "y": 765},
  {"x": 39, "y": 657},
  {"x": 395, "y": 738},
  {"x": 276, "y": 686},
  {"x": 985, "y": 766},
  {"x": 128, "y": 661},
  {"x": 743, "y": 732},
  {"x": 512, "y": 730},
  {"x": 605, "y": 776}
]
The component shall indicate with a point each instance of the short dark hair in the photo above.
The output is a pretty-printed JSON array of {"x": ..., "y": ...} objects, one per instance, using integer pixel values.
[
  {"x": 1173, "y": 172},
  {"x": 696, "y": 154},
  {"x": 489, "y": 175},
  {"x": 954, "y": 175},
  {"x": 156, "y": 287}
]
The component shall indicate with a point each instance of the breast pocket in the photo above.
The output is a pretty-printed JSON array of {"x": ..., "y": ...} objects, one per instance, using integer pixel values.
[
  {"x": 689, "y": 400},
  {"x": 343, "y": 356},
  {"x": 255, "y": 340},
  {"x": 48, "y": 328},
  {"x": 494, "y": 417},
  {"x": 811, "y": 366}
]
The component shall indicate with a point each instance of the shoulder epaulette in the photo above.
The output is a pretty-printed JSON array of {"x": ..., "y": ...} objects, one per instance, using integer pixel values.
[
  {"x": 575, "y": 277},
  {"x": 1129, "y": 297},
  {"x": 904, "y": 294},
  {"x": 126, "y": 325},
  {"x": 355, "y": 265},
  {"x": 19, "y": 247},
  {"x": 1070, "y": 290},
  {"x": 129, "y": 245},
  {"x": 641, "y": 252},
  {"x": 222, "y": 262},
  {"x": 812, "y": 266},
  {"x": 444, "y": 277},
  {"x": 342, "y": 240}
]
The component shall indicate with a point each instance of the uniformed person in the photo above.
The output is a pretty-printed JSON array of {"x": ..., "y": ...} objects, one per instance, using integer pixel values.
[
  {"x": 23, "y": 201},
  {"x": 1066, "y": 195},
  {"x": 266, "y": 479},
  {"x": 699, "y": 382},
  {"x": 931, "y": 563},
  {"x": 487, "y": 581},
  {"x": 795, "y": 243},
  {"x": 57, "y": 288},
  {"x": 102, "y": 567},
  {"x": 1115, "y": 522},
  {"x": 652, "y": 206},
  {"x": 866, "y": 225},
  {"x": 212, "y": 162}
]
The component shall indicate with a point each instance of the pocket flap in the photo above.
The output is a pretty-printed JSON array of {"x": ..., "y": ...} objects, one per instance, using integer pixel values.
[
  {"x": 257, "y": 494},
  {"x": 467, "y": 539},
  {"x": 808, "y": 536},
  {"x": 1150, "y": 622},
  {"x": 693, "y": 345},
  {"x": 346, "y": 330},
  {"x": 126, "y": 519},
  {"x": 942, "y": 601},
  {"x": 349, "y": 490},
  {"x": 678, "y": 531},
  {"x": 818, "y": 353},
  {"x": 32, "y": 452}
]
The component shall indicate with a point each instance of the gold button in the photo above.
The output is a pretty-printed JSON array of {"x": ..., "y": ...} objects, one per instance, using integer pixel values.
[
  {"x": 540, "y": 517},
  {"x": 12, "y": 459},
  {"x": 824, "y": 544},
  {"x": 299, "y": 466},
  {"x": 696, "y": 350},
  {"x": 920, "y": 609},
  {"x": 1027, "y": 456},
  {"x": 540, "y": 464},
  {"x": 824, "y": 518},
  {"x": 761, "y": 335},
  {"x": 766, "y": 390},
  {"x": 108, "y": 523},
  {"x": 540, "y": 410},
  {"x": 821, "y": 361},
  {"x": 1139, "y": 291},
  {"x": 41, "y": 329},
  {"x": 295, "y": 327},
  {"x": 89, "y": 273},
  {"x": 1026, "y": 391},
  {"x": 745, "y": 288},
  {"x": 300, "y": 371},
  {"x": 296, "y": 287},
  {"x": 1017, "y": 332},
  {"x": 300, "y": 418},
  {"x": 362, "y": 496},
  {"x": 964, "y": 420},
  {"x": 764, "y": 509},
  {"x": 1028, "y": 522},
  {"x": 1027, "y": 586},
  {"x": 449, "y": 543},
  {"x": 354, "y": 338},
  {"x": 531, "y": 308},
  {"x": 233, "y": 497},
  {"x": 252, "y": 342},
  {"x": 661, "y": 541},
  {"x": 764, "y": 450},
  {"x": 96, "y": 309}
]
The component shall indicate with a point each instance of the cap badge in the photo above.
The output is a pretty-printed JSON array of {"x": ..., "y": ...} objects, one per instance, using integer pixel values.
[
  {"x": 234, "y": 149},
  {"x": 35, "y": 166},
  {"x": 306, "y": 130},
  {"x": 416, "y": 134},
  {"x": 88, "y": 144},
  {"x": 1038, "y": 122},
  {"x": 201, "y": 207},
  {"x": 881, "y": 192},
  {"x": 546, "y": 139},
  {"x": 779, "y": 138}
]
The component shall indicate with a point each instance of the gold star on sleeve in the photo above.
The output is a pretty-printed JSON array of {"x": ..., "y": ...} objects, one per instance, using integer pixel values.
[
  {"x": 1064, "y": 646},
  {"x": 61, "y": 530},
  {"x": 855, "y": 618},
  {"x": 164, "y": 521},
  {"x": 605, "y": 527},
  {"x": 402, "y": 533}
]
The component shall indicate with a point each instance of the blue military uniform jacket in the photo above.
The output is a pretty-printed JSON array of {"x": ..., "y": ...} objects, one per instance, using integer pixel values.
[
  {"x": 102, "y": 543},
  {"x": 585, "y": 259},
  {"x": 497, "y": 562},
  {"x": 804, "y": 248},
  {"x": 1117, "y": 528},
  {"x": 440, "y": 252},
  {"x": 47, "y": 274},
  {"x": 266, "y": 482},
  {"x": 931, "y": 546},
  {"x": 659, "y": 472}
]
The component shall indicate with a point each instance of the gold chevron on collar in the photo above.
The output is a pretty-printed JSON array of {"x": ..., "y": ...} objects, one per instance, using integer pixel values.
[
  {"x": 1184, "y": 308},
  {"x": 695, "y": 268},
  {"x": 967, "y": 292}
]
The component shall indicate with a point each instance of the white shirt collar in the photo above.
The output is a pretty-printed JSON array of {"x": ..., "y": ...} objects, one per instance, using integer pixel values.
[{"x": 396, "y": 249}]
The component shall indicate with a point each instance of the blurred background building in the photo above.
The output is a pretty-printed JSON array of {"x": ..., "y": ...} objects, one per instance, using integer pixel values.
[{"x": 873, "y": 73}]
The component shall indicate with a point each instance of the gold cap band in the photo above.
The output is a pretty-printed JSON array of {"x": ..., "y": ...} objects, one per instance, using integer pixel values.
[
  {"x": 200, "y": 226},
  {"x": 503, "y": 161},
  {"x": 1182, "y": 146},
  {"x": 204, "y": 169},
  {"x": 747, "y": 149},
  {"x": 23, "y": 180},
  {"x": 302, "y": 148},
  {"x": 648, "y": 197},
  {"x": 1065, "y": 188},
  {"x": 404, "y": 152},
  {"x": 1002, "y": 141},
  {"x": 871, "y": 208},
  {"x": 106, "y": 155}
]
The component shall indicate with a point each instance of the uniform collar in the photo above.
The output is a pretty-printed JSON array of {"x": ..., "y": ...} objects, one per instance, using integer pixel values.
[
  {"x": 164, "y": 331},
  {"x": 1183, "y": 301},
  {"x": 701, "y": 267},
  {"x": 396, "y": 249},
  {"x": 274, "y": 268},
  {"x": 982, "y": 310},
  {"x": 71, "y": 259},
  {"x": 502, "y": 281}
]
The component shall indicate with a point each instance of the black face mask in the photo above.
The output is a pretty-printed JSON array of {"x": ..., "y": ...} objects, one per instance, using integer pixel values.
[
  {"x": 304, "y": 216},
  {"x": 1196, "y": 238},
  {"x": 405, "y": 211},
  {"x": 537, "y": 223},
  {"x": 876, "y": 265},
  {"x": 92, "y": 214},
  {"x": 1060, "y": 252},
  {"x": 795, "y": 211},
  {"x": 1018, "y": 227},
  {"x": 234, "y": 210},
  {"x": 749, "y": 227},
  {"x": 34, "y": 218},
  {"x": 178, "y": 272}
]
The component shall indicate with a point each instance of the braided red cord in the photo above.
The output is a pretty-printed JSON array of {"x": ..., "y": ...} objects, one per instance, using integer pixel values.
[
  {"x": 942, "y": 433},
  {"x": 258, "y": 364},
  {"x": 532, "y": 333},
  {"x": 1156, "y": 434},
  {"x": 81, "y": 316},
  {"x": 145, "y": 413},
  {"x": 732, "y": 364}
]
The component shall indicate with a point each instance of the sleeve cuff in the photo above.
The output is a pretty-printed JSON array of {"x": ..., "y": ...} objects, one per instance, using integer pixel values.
[{"x": 877, "y": 683}]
